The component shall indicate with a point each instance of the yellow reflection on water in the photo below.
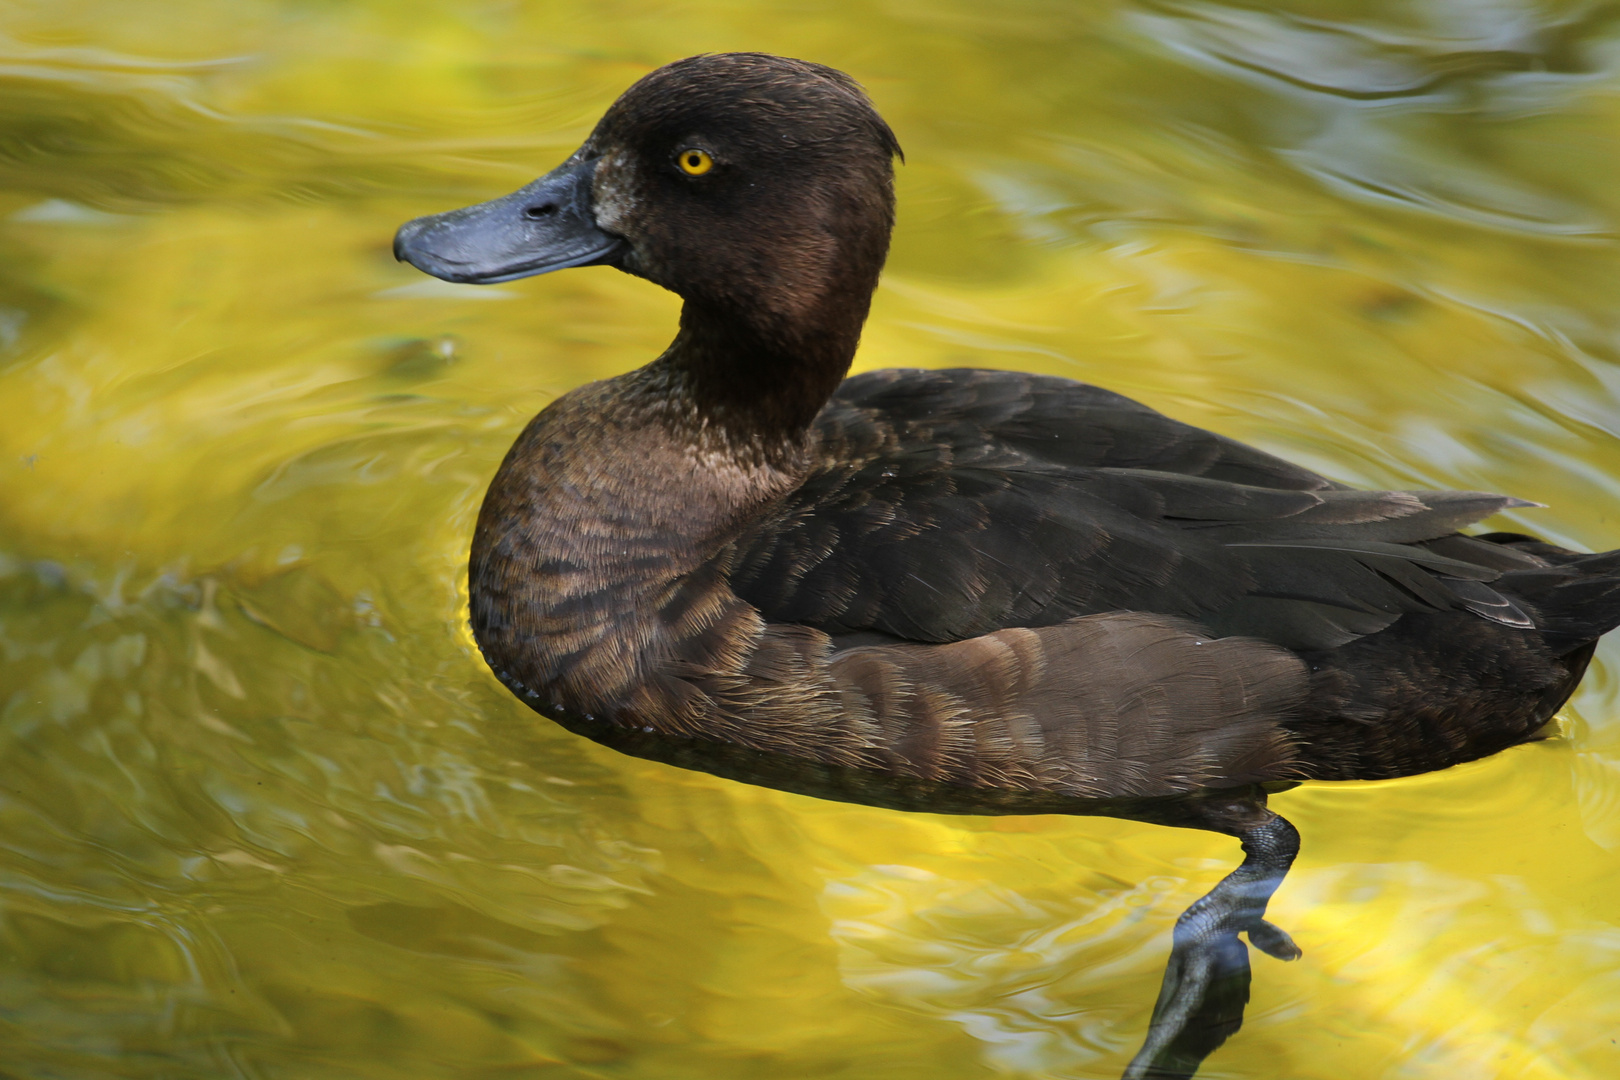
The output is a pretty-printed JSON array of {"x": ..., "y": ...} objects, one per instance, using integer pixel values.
[{"x": 264, "y": 813}]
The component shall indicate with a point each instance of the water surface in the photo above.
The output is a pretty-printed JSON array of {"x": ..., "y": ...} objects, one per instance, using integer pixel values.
[{"x": 264, "y": 813}]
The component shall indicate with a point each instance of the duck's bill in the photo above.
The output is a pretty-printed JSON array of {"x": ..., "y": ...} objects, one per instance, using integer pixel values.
[{"x": 545, "y": 226}]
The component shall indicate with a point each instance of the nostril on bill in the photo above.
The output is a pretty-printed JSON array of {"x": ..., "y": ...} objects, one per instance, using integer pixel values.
[{"x": 544, "y": 210}]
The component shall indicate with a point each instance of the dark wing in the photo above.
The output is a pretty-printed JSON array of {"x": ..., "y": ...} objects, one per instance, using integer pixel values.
[
  {"x": 950, "y": 504},
  {"x": 1043, "y": 418}
]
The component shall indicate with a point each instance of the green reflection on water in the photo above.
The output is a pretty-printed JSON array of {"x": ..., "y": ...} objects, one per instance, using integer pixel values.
[{"x": 262, "y": 811}]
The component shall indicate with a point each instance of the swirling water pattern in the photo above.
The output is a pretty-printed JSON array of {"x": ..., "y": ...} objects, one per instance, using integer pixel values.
[{"x": 263, "y": 813}]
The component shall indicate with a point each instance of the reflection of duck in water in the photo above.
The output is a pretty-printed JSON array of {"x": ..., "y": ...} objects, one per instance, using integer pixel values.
[{"x": 974, "y": 592}]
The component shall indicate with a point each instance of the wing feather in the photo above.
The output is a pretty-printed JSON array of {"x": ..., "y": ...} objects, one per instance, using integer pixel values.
[{"x": 952, "y": 504}]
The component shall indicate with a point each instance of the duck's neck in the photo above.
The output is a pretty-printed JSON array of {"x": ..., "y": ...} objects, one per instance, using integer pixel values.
[{"x": 756, "y": 384}]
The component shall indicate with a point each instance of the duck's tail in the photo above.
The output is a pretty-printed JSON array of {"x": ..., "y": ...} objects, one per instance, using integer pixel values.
[{"x": 1576, "y": 597}]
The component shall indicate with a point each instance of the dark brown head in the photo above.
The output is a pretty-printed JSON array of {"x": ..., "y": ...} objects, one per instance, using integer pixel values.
[{"x": 757, "y": 187}]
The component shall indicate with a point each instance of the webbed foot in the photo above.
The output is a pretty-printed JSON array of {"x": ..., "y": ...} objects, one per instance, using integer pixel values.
[{"x": 1206, "y": 982}]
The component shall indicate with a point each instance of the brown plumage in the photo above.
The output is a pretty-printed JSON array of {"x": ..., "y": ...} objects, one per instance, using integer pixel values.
[{"x": 961, "y": 591}]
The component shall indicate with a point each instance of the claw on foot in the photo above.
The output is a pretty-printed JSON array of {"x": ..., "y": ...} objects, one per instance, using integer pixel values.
[{"x": 1273, "y": 941}]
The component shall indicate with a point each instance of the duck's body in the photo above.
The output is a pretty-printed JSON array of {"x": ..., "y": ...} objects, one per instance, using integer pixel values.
[
  {"x": 962, "y": 591},
  {"x": 939, "y": 602}
]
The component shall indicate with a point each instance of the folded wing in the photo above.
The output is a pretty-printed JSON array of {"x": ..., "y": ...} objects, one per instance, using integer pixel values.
[{"x": 952, "y": 504}]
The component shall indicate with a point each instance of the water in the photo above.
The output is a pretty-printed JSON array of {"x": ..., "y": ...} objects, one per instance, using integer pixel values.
[{"x": 263, "y": 813}]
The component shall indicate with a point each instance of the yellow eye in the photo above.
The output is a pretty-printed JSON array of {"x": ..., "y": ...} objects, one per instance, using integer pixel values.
[{"x": 694, "y": 162}]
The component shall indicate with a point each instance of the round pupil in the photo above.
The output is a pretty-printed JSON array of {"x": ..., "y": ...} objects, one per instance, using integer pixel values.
[{"x": 693, "y": 161}]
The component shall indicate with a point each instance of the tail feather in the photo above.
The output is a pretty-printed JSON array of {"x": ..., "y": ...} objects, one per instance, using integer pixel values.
[{"x": 1578, "y": 599}]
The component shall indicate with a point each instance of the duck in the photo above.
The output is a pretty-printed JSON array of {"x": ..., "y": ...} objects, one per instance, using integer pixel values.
[{"x": 958, "y": 591}]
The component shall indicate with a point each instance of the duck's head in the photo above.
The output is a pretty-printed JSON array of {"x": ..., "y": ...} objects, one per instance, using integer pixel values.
[{"x": 758, "y": 188}]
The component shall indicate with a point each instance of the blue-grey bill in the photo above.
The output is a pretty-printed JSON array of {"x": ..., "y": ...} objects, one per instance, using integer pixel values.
[{"x": 547, "y": 225}]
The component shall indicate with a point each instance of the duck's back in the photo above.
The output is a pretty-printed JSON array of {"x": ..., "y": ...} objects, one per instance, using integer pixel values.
[
  {"x": 952, "y": 503},
  {"x": 948, "y": 505}
]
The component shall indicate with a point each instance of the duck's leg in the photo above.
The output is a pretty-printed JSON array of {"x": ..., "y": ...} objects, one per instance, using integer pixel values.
[{"x": 1206, "y": 982}]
